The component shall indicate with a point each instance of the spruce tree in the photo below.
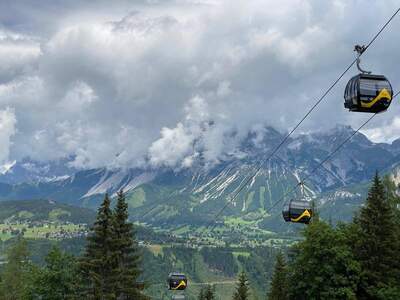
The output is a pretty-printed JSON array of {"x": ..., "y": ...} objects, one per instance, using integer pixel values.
[
  {"x": 127, "y": 253},
  {"x": 377, "y": 245},
  {"x": 242, "y": 288},
  {"x": 279, "y": 286},
  {"x": 97, "y": 266}
]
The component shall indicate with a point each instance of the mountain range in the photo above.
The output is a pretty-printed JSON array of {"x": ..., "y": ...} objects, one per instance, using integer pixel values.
[{"x": 166, "y": 196}]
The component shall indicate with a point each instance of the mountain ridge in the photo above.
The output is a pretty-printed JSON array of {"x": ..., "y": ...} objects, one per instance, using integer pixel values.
[{"x": 190, "y": 194}]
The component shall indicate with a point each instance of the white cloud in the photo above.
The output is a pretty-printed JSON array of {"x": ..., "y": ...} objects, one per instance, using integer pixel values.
[
  {"x": 18, "y": 54},
  {"x": 173, "y": 145},
  {"x": 178, "y": 81},
  {"x": 386, "y": 132},
  {"x": 7, "y": 130},
  {"x": 180, "y": 145}
]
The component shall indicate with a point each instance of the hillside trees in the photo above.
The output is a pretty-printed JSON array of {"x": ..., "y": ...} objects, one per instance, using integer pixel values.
[
  {"x": 201, "y": 295},
  {"x": 207, "y": 293},
  {"x": 16, "y": 277},
  {"x": 97, "y": 265},
  {"x": 377, "y": 247},
  {"x": 324, "y": 267},
  {"x": 21, "y": 279},
  {"x": 126, "y": 253},
  {"x": 110, "y": 265},
  {"x": 279, "y": 285},
  {"x": 220, "y": 259},
  {"x": 358, "y": 260},
  {"x": 242, "y": 289},
  {"x": 109, "y": 268},
  {"x": 57, "y": 279}
]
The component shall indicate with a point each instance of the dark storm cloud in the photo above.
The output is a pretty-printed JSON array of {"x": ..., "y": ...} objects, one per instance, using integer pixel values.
[{"x": 161, "y": 82}]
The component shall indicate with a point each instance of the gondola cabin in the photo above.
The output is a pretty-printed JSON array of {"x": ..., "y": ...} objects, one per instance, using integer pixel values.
[
  {"x": 297, "y": 211},
  {"x": 368, "y": 93},
  {"x": 177, "y": 281}
]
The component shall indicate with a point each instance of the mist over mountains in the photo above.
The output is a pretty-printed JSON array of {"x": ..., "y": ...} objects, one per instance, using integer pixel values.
[{"x": 197, "y": 192}]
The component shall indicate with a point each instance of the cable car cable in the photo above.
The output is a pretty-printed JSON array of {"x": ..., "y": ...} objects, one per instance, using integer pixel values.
[
  {"x": 304, "y": 117},
  {"x": 297, "y": 125},
  {"x": 329, "y": 156},
  {"x": 321, "y": 163}
]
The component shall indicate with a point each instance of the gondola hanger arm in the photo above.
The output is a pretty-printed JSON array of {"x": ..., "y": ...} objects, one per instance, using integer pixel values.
[{"x": 360, "y": 50}]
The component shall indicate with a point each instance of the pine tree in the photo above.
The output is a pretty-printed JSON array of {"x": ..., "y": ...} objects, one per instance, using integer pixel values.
[
  {"x": 377, "y": 245},
  {"x": 279, "y": 286},
  {"x": 242, "y": 288},
  {"x": 16, "y": 275},
  {"x": 127, "y": 253},
  {"x": 97, "y": 266},
  {"x": 323, "y": 265}
]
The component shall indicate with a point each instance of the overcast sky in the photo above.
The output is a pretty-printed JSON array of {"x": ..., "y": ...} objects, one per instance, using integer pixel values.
[{"x": 124, "y": 83}]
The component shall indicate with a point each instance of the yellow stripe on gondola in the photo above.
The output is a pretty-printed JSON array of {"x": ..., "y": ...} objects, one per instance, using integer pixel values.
[
  {"x": 305, "y": 213},
  {"x": 181, "y": 284},
  {"x": 384, "y": 94}
]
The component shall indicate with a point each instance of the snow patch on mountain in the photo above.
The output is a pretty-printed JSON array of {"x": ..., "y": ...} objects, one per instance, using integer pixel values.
[
  {"x": 55, "y": 178},
  {"x": 339, "y": 195},
  {"x": 253, "y": 180},
  {"x": 139, "y": 180},
  {"x": 114, "y": 181},
  {"x": 7, "y": 167},
  {"x": 209, "y": 182},
  {"x": 345, "y": 194}
]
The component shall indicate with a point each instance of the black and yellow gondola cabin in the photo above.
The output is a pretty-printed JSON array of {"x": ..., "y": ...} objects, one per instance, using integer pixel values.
[
  {"x": 368, "y": 93},
  {"x": 177, "y": 281},
  {"x": 297, "y": 211}
]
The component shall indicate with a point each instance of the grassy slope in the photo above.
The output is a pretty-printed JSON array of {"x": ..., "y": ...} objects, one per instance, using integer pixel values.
[{"x": 44, "y": 210}]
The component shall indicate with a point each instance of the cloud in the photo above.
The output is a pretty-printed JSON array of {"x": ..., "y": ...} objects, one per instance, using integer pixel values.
[
  {"x": 386, "y": 133},
  {"x": 18, "y": 53},
  {"x": 174, "y": 82},
  {"x": 7, "y": 130},
  {"x": 182, "y": 144}
]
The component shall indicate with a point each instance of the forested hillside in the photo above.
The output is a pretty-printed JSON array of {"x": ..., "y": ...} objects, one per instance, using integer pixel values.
[
  {"x": 218, "y": 266},
  {"x": 160, "y": 255},
  {"x": 44, "y": 210},
  {"x": 326, "y": 263}
]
